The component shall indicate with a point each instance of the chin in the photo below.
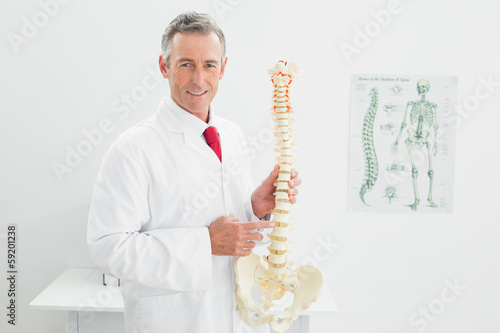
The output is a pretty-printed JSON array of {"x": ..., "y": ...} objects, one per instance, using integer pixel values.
[{"x": 198, "y": 109}]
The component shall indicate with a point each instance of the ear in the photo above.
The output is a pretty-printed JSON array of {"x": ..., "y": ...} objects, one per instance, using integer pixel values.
[
  {"x": 223, "y": 69},
  {"x": 163, "y": 67}
]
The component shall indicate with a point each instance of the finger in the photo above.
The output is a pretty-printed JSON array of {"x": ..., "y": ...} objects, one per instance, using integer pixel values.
[
  {"x": 257, "y": 225},
  {"x": 295, "y": 182},
  {"x": 271, "y": 179},
  {"x": 248, "y": 245},
  {"x": 276, "y": 169},
  {"x": 254, "y": 236},
  {"x": 274, "y": 173},
  {"x": 295, "y": 173},
  {"x": 242, "y": 253},
  {"x": 292, "y": 192}
]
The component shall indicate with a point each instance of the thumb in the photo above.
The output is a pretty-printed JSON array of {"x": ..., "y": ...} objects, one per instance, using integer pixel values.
[{"x": 271, "y": 179}]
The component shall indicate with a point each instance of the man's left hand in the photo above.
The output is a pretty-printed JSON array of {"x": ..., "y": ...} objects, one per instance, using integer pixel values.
[{"x": 263, "y": 196}]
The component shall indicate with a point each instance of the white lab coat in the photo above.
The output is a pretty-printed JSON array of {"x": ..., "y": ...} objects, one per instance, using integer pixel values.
[{"x": 160, "y": 186}]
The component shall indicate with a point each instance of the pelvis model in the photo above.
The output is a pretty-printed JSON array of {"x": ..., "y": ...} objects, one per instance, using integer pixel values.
[{"x": 273, "y": 273}]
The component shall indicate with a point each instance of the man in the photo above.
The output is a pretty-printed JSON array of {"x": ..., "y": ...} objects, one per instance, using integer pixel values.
[{"x": 169, "y": 212}]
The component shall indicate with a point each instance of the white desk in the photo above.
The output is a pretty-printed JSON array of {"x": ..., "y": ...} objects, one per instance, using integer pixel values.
[{"x": 94, "y": 308}]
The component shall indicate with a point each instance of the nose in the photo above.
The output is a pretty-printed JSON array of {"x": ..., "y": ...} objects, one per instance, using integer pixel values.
[{"x": 198, "y": 77}]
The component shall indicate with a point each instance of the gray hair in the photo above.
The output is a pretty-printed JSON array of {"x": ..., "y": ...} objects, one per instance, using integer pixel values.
[{"x": 187, "y": 23}]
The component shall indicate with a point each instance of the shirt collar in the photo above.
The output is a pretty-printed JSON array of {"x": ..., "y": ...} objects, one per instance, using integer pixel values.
[{"x": 188, "y": 120}]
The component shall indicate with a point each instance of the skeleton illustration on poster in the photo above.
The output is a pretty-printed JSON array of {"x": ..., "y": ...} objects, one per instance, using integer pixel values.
[{"x": 402, "y": 143}]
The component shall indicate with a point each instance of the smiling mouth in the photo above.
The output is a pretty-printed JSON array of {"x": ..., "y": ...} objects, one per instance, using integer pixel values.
[{"x": 195, "y": 93}]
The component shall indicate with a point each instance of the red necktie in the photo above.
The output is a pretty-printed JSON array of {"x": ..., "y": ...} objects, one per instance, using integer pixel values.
[{"x": 212, "y": 138}]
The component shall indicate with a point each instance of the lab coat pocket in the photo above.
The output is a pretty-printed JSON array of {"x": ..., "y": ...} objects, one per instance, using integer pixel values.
[{"x": 177, "y": 312}]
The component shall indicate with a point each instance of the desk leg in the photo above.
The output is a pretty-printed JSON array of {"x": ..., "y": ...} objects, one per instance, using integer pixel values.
[
  {"x": 100, "y": 322},
  {"x": 72, "y": 326},
  {"x": 304, "y": 324}
]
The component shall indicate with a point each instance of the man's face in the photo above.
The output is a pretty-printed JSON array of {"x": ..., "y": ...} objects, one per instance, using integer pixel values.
[{"x": 194, "y": 71}]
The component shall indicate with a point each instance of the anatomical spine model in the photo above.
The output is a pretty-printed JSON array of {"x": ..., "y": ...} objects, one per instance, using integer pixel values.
[{"x": 306, "y": 281}]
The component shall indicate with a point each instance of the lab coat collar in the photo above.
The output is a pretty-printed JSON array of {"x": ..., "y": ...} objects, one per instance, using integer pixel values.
[
  {"x": 195, "y": 124},
  {"x": 178, "y": 120}
]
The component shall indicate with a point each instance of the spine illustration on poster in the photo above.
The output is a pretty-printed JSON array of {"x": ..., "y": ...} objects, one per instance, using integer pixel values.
[{"x": 371, "y": 162}]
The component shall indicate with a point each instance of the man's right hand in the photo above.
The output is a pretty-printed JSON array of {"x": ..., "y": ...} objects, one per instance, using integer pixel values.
[{"x": 229, "y": 237}]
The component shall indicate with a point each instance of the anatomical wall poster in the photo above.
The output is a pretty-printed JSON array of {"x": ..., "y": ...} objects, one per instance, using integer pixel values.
[{"x": 402, "y": 143}]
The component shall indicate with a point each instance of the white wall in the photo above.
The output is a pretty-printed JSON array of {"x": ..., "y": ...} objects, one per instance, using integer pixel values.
[{"x": 70, "y": 75}]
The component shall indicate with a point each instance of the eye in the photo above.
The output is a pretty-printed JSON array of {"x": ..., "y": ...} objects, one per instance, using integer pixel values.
[{"x": 187, "y": 64}]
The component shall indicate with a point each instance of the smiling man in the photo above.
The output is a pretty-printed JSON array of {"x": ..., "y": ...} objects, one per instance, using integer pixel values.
[
  {"x": 193, "y": 70},
  {"x": 174, "y": 203}
]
